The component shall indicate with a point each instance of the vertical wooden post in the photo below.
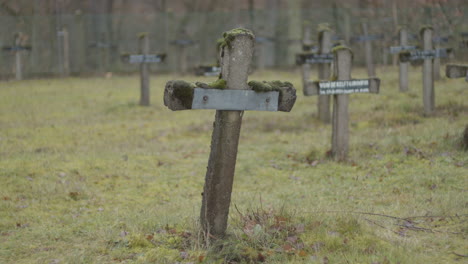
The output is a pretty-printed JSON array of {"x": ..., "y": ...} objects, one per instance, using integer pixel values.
[
  {"x": 436, "y": 68},
  {"x": 306, "y": 47},
  {"x": 18, "y": 66},
  {"x": 144, "y": 71},
  {"x": 403, "y": 65},
  {"x": 428, "y": 76},
  {"x": 342, "y": 63},
  {"x": 235, "y": 61},
  {"x": 368, "y": 51},
  {"x": 325, "y": 45},
  {"x": 347, "y": 26},
  {"x": 66, "y": 52}
]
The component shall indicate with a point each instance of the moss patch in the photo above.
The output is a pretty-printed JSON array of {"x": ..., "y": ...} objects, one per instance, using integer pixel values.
[
  {"x": 230, "y": 35},
  {"x": 142, "y": 35}
]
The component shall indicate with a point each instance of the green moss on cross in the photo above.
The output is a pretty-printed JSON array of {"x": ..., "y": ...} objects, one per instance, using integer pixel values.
[
  {"x": 230, "y": 35},
  {"x": 142, "y": 35}
]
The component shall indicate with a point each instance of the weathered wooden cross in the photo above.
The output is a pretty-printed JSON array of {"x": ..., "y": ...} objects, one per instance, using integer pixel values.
[
  {"x": 427, "y": 54},
  {"x": 17, "y": 49},
  {"x": 231, "y": 95},
  {"x": 144, "y": 59},
  {"x": 366, "y": 38},
  {"x": 403, "y": 35},
  {"x": 340, "y": 89},
  {"x": 456, "y": 71},
  {"x": 323, "y": 58}
]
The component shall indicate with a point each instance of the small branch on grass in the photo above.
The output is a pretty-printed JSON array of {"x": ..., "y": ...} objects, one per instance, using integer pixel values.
[
  {"x": 382, "y": 226},
  {"x": 460, "y": 255}
]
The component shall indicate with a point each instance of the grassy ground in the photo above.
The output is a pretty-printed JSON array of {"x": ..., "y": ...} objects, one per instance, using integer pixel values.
[{"x": 88, "y": 176}]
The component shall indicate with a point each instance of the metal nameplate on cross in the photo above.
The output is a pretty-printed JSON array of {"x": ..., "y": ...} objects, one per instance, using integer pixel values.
[
  {"x": 424, "y": 54},
  {"x": 398, "y": 49},
  {"x": 207, "y": 70},
  {"x": 367, "y": 38},
  {"x": 230, "y": 95},
  {"x": 144, "y": 58},
  {"x": 313, "y": 58},
  {"x": 345, "y": 87},
  {"x": 456, "y": 71}
]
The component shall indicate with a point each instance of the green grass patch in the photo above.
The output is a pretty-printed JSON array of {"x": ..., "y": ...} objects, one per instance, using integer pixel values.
[{"x": 89, "y": 176}]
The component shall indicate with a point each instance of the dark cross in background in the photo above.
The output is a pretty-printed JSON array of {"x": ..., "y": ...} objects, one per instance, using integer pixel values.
[
  {"x": 144, "y": 58},
  {"x": 323, "y": 58},
  {"x": 340, "y": 89},
  {"x": 102, "y": 50},
  {"x": 210, "y": 70},
  {"x": 456, "y": 71},
  {"x": 260, "y": 50},
  {"x": 17, "y": 48},
  {"x": 182, "y": 45},
  {"x": 230, "y": 103},
  {"x": 427, "y": 54},
  {"x": 403, "y": 36},
  {"x": 367, "y": 39},
  {"x": 438, "y": 41},
  {"x": 64, "y": 52}
]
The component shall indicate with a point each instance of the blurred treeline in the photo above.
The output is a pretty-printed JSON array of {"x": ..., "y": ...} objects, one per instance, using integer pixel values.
[{"x": 100, "y": 30}]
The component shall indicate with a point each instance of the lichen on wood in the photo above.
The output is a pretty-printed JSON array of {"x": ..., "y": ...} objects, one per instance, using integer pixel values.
[
  {"x": 219, "y": 84},
  {"x": 142, "y": 35}
]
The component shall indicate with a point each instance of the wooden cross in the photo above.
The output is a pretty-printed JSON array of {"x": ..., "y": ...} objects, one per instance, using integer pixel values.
[
  {"x": 340, "y": 89},
  {"x": 102, "y": 49},
  {"x": 366, "y": 38},
  {"x": 403, "y": 35},
  {"x": 456, "y": 71},
  {"x": 182, "y": 45},
  {"x": 210, "y": 70},
  {"x": 260, "y": 50},
  {"x": 323, "y": 58},
  {"x": 64, "y": 52},
  {"x": 464, "y": 40},
  {"x": 427, "y": 54},
  {"x": 438, "y": 40},
  {"x": 230, "y": 102},
  {"x": 17, "y": 49},
  {"x": 144, "y": 59}
]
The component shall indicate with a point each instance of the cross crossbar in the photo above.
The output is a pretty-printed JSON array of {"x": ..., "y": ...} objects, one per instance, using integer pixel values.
[
  {"x": 143, "y": 58},
  {"x": 16, "y": 48},
  {"x": 398, "y": 49},
  {"x": 313, "y": 58},
  {"x": 371, "y": 85},
  {"x": 414, "y": 55},
  {"x": 456, "y": 71}
]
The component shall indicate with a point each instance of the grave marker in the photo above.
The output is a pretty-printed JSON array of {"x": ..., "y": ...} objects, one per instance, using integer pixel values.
[
  {"x": 403, "y": 34},
  {"x": 366, "y": 38},
  {"x": 64, "y": 52},
  {"x": 182, "y": 45},
  {"x": 438, "y": 40},
  {"x": 261, "y": 50},
  {"x": 144, "y": 59},
  {"x": 456, "y": 71},
  {"x": 340, "y": 89},
  {"x": 210, "y": 70},
  {"x": 102, "y": 49},
  {"x": 323, "y": 58},
  {"x": 230, "y": 96},
  {"x": 427, "y": 54},
  {"x": 17, "y": 48}
]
